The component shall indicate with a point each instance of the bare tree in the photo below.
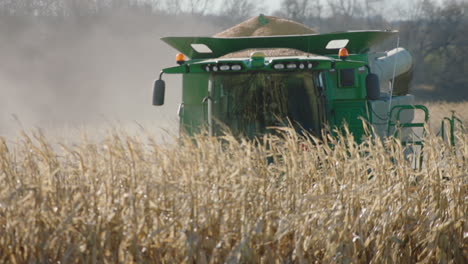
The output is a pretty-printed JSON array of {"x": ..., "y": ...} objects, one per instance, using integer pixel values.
[
  {"x": 316, "y": 9},
  {"x": 75, "y": 8},
  {"x": 346, "y": 8},
  {"x": 295, "y": 9},
  {"x": 235, "y": 11},
  {"x": 198, "y": 7},
  {"x": 437, "y": 43},
  {"x": 193, "y": 7}
]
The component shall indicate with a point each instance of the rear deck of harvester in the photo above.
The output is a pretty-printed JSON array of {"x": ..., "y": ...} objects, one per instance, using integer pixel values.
[{"x": 268, "y": 72}]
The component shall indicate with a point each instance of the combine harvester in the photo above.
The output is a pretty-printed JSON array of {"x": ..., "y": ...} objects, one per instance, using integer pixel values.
[{"x": 266, "y": 71}]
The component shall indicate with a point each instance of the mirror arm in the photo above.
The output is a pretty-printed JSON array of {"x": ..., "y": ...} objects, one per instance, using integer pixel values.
[
  {"x": 158, "y": 91},
  {"x": 368, "y": 68}
]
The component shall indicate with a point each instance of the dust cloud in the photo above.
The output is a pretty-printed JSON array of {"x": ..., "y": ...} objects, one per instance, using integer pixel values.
[{"x": 62, "y": 73}]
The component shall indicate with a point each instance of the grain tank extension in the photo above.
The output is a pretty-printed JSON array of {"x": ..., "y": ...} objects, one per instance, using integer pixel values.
[{"x": 256, "y": 75}]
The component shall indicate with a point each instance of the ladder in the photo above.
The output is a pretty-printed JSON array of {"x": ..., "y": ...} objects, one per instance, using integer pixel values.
[{"x": 397, "y": 125}]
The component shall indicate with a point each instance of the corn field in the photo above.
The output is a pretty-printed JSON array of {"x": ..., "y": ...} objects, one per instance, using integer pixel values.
[{"x": 282, "y": 198}]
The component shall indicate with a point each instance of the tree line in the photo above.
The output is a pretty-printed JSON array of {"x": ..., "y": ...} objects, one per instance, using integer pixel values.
[
  {"x": 72, "y": 8},
  {"x": 436, "y": 34}
]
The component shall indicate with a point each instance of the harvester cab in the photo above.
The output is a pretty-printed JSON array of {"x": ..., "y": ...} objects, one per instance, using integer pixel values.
[{"x": 249, "y": 84}]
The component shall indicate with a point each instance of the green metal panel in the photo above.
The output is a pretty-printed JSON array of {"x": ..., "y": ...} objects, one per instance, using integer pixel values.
[
  {"x": 193, "y": 114},
  {"x": 320, "y": 63},
  {"x": 359, "y": 42},
  {"x": 356, "y": 91},
  {"x": 349, "y": 112},
  {"x": 195, "y": 88}
]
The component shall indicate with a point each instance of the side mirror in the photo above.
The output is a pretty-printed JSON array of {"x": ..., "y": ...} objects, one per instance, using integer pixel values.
[
  {"x": 372, "y": 86},
  {"x": 158, "y": 92}
]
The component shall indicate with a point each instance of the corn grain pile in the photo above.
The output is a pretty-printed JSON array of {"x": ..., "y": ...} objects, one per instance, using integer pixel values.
[
  {"x": 281, "y": 199},
  {"x": 266, "y": 26}
]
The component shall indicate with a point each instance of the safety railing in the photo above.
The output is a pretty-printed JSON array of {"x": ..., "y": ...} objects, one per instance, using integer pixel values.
[
  {"x": 397, "y": 124},
  {"x": 452, "y": 121}
]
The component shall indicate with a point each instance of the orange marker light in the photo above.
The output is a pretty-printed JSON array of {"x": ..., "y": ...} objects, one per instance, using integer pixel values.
[
  {"x": 180, "y": 58},
  {"x": 343, "y": 53}
]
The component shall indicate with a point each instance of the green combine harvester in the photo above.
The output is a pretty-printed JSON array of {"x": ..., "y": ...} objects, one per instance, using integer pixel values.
[{"x": 249, "y": 84}]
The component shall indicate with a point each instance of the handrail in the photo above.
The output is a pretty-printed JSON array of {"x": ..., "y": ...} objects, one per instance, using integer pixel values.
[
  {"x": 397, "y": 122},
  {"x": 452, "y": 121}
]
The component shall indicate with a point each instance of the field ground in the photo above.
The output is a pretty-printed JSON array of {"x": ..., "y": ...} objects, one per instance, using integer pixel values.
[{"x": 126, "y": 198}]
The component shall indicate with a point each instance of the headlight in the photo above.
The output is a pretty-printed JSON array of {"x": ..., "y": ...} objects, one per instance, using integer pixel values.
[
  {"x": 236, "y": 67},
  {"x": 224, "y": 67},
  {"x": 278, "y": 66}
]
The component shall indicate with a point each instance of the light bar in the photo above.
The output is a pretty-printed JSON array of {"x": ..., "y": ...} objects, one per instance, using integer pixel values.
[
  {"x": 292, "y": 65},
  {"x": 224, "y": 67},
  {"x": 236, "y": 67},
  {"x": 281, "y": 65},
  {"x": 278, "y": 66}
]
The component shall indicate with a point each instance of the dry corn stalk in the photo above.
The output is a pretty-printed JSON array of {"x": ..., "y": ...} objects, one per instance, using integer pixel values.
[{"x": 281, "y": 198}]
